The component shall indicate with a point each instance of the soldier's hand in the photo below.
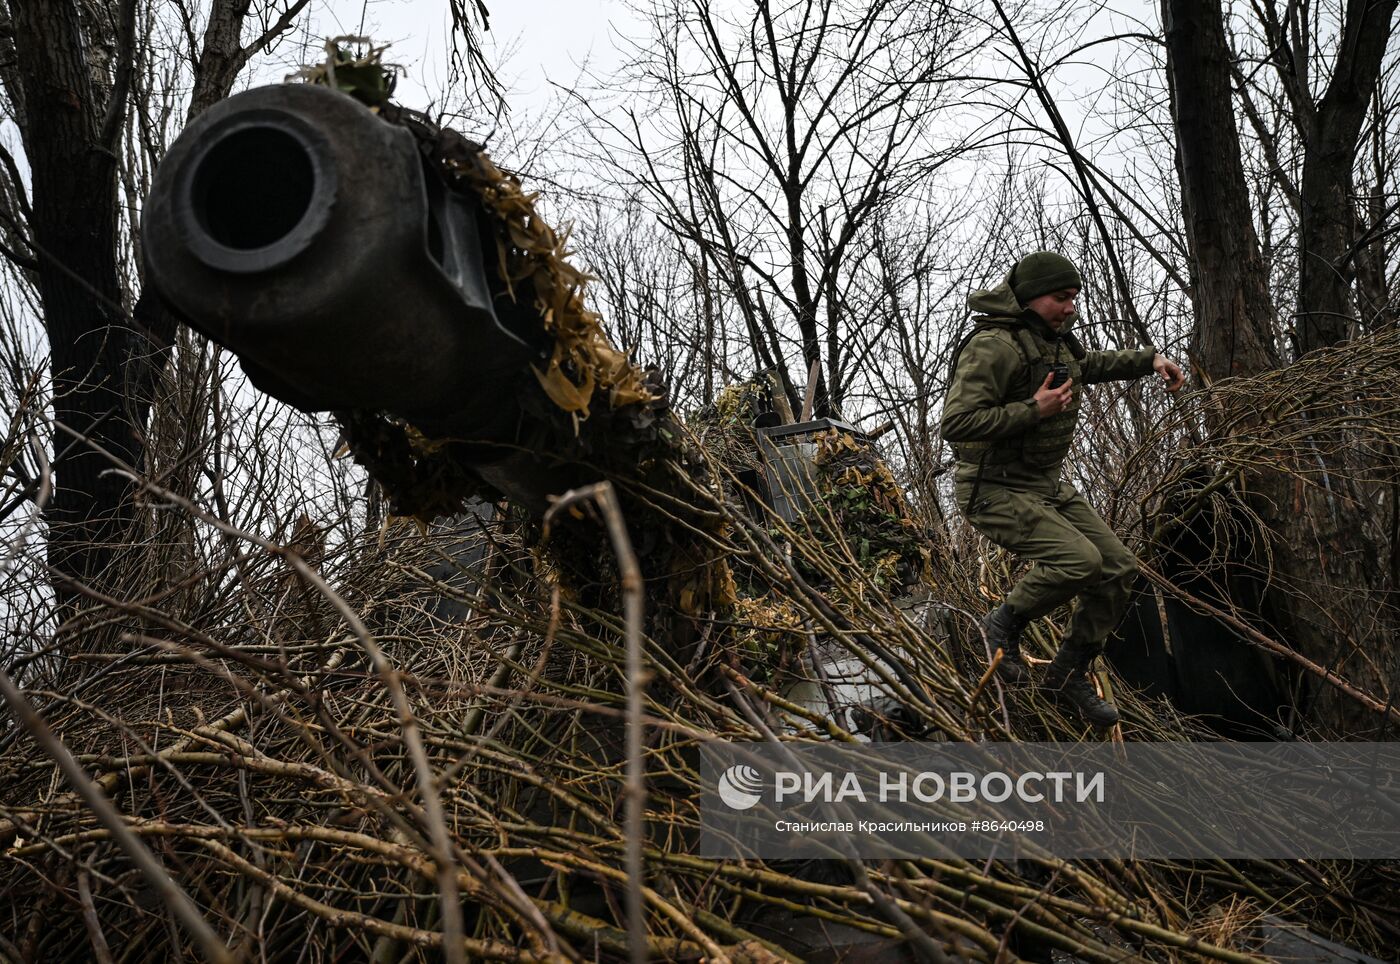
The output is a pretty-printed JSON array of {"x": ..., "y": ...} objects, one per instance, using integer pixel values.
[
  {"x": 1052, "y": 401},
  {"x": 1170, "y": 371}
]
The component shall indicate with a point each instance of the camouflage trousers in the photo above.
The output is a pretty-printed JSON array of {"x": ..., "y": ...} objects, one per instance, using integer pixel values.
[{"x": 1074, "y": 553}]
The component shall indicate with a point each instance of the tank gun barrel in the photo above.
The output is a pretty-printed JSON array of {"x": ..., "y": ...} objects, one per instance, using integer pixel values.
[{"x": 295, "y": 227}]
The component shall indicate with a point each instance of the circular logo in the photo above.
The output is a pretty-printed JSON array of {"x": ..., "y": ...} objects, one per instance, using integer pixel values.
[{"x": 740, "y": 787}]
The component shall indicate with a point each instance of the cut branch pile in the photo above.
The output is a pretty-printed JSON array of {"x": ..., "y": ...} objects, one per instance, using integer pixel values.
[{"x": 263, "y": 750}]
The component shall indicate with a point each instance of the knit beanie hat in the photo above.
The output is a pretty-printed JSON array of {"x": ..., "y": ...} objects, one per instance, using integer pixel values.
[{"x": 1042, "y": 272}]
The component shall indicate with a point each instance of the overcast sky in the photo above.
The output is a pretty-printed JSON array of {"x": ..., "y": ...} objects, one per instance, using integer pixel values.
[{"x": 532, "y": 41}]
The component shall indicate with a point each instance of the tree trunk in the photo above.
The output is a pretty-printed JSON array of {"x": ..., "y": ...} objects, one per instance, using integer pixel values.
[
  {"x": 805, "y": 303},
  {"x": 1373, "y": 287},
  {"x": 1327, "y": 262},
  {"x": 1326, "y": 269},
  {"x": 1234, "y": 331},
  {"x": 74, "y": 226}
]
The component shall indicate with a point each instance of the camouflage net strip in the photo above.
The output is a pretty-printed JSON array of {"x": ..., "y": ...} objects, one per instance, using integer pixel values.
[{"x": 533, "y": 262}]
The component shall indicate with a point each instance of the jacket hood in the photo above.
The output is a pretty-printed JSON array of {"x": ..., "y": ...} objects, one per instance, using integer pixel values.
[
  {"x": 1001, "y": 302},
  {"x": 998, "y": 302}
]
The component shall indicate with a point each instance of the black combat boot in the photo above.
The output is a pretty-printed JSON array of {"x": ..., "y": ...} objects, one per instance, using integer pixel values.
[
  {"x": 1067, "y": 678},
  {"x": 1004, "y": 627}
]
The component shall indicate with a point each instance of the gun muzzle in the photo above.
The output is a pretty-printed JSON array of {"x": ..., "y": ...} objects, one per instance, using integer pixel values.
[{"x": 308, "y": 236}]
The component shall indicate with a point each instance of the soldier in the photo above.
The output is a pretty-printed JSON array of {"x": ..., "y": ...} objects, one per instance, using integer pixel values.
[{"x": 1010, "y": 414}]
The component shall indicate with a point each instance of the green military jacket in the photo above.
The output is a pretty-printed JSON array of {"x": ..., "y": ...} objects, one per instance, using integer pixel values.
[{"x": 990, "y": 416}]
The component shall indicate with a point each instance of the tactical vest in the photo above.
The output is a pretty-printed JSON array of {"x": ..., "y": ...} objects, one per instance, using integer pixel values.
[{"x": 1048, "y": 442}]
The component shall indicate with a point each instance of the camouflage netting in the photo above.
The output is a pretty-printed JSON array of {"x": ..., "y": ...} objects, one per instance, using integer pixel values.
[
  {"x": 256, "y": 742},
  {"x": 867, "y": 511}
]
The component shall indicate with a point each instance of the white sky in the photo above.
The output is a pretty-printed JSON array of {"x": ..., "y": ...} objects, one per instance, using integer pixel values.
[{"x": 533, "y": 42}]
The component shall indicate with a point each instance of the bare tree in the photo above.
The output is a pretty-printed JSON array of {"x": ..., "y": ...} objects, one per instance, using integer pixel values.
[
  {"x": 1235, "y": 327},
  {"x": 81, "y": 77},
  {"x": 771, "y": 143},
  {"x": 1325, "y": 595},
  {"x": 660, "y": 302},
  {"x": 1329, "y": 131}
]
